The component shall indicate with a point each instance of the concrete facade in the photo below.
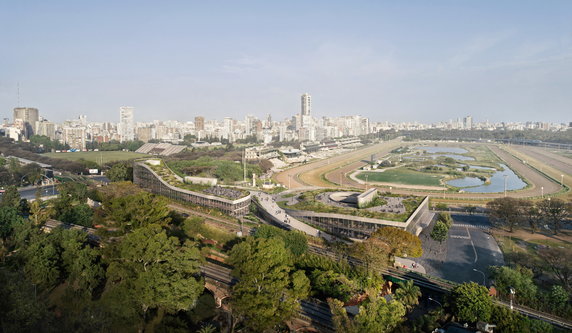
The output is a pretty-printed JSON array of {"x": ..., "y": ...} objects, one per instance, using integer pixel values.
[{"x": 356, "y": 227}]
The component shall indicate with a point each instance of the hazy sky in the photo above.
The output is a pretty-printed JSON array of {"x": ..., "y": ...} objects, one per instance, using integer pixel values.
[{"x": 397, "y": 61}]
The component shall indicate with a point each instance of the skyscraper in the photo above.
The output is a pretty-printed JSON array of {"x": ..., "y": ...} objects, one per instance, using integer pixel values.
[
  {"x": 468, "y": 122},
  {"x": 306, "y": 104},
  {"x": 126, "y": 123},
  {"x": 29, "y": 117},
  {"x": 199, "y": 123}
]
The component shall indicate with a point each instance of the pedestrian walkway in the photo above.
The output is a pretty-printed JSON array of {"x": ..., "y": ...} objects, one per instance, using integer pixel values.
[
  {"x": 472, "y": 226},
  {"x": 409, "y": 264},
  {"x": 269, "y": 204}
]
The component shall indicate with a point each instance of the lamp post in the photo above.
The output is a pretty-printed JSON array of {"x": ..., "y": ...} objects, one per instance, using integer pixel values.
[
  {"x": 562, "y": 180},
  {"x": 512, "y": 292},
  {"x": 366, "y": 181},
  {"x": 542, "y": 191},
  {"x": 484, "y": 278},
  {"x": 431, "y": 299}
]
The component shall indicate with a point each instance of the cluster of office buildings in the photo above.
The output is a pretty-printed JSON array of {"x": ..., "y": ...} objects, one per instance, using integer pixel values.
[{"x": 303, "y": 127}]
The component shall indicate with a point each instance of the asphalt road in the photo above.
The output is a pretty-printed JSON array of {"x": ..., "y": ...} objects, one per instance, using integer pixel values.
[{"x": 468, "y": 247}]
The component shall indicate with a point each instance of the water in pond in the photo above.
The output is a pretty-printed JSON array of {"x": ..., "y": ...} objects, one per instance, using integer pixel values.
[
  {"x": 513, "y": 182},
  {"x": 465, "y": 182},
  {"x": 435, "y": 150}
]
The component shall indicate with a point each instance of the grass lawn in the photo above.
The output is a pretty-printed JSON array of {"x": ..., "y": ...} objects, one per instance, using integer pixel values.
[
  {"x": 402, "y": 176},
  {"x": 97, "y": 156}
]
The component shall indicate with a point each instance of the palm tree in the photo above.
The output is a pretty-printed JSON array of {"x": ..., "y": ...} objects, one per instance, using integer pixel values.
[
  {"x": 408, "y": 294},
  {"x": 209, "y": 328}
]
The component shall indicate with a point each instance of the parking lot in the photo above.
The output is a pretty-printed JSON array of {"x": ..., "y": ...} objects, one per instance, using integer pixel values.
[{"x": 466, "y": 254}]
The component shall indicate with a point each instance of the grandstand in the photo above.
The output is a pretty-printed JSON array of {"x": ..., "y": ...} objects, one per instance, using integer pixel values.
[{"x": 163, "y": 149}]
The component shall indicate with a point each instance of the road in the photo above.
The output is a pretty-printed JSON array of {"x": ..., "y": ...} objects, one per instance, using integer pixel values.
[{"x": 29, "y": 192}]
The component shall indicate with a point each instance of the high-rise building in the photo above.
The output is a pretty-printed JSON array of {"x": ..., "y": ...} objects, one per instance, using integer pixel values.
[
  {"x": 74, "y": 137},
  {"x": 468, "y": 122},
  {"x": 199, "y": 123},
  {"x": 126, "y": 123},
  {"x": 306, "y": 104},
  {"x": 29, "y": 117}
]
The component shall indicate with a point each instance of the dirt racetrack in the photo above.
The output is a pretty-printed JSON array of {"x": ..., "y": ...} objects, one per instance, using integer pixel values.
[{"x": 333, "y": 171}]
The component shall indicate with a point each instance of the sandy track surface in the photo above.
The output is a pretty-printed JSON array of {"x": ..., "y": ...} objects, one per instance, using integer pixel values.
[
  {"x": 556, "y": 161},
  {"x": 311, "y": 174}
]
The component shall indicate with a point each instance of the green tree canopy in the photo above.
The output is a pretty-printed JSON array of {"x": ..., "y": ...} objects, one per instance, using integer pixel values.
[
  {"x": 267, "y": 292},
  {"x": 408, "y": 294},
  {"x": 159, "y": 271},
  {"x": 400, "y": 242},
  {"x": 294, "y": 240},
  {"x": 471, "y": 302},
  {"x": 440, "y": 232},
  {"x": 519, "y": 278}
]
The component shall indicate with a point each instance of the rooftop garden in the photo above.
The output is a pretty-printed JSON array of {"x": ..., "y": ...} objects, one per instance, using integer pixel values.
[
  {"x": 171, "y": 178},
  {"x": 308, "y": 201}
]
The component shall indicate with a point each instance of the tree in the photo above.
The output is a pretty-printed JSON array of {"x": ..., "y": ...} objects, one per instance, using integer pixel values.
[
  {"x": 531, "y": 214},
  {"x": 519, "y": 278},
  {"x": 267, "y": 293},
  {"x": 557, "y": 260},
  {"x": 440, "y": 232},
  {"x": 332, "y": 284},
  {"x": 80, "y": 261},
  {"x": 39, "y": 212},
  {"x": 79, "y": 214},
  {"x": 373, "y": 252},
  {"x": 120, "y": 171},
  {"x": 10, "y": 198},
  {"x": 137, "y": 210},
  {"x": 294, "y": 240},
  {"x": 400, "y": 242},
  {"x": 556, "y": 211},
  {"x": 342, "y": 322},
  {"x": 471, "y": 302},
  {"x": 558, "y": 298},
  {"x": 155, "y": 271},
  {"x": 42, "y": 261},
  {"x": 9, "y": 217},
  {"x": 378, "y": 315},
  {"x": 408, "y": 294},
  {"x": 505, "y": 211}
]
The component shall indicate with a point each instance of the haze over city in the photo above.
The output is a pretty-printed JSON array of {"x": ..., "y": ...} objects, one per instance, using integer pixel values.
[{"x": 509, "y": 61}]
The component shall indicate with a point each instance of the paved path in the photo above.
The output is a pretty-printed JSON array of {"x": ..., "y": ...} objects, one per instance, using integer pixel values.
[{"x": 268, "y": 202}]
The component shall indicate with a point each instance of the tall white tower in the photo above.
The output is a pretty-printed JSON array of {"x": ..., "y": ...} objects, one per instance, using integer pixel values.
[
  {"x": 126, "y": 123},
  {"x": 306, "y": 104}
]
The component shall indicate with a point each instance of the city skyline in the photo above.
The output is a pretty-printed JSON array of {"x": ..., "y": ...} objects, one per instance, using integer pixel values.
[{"x": 388, "y": 62}]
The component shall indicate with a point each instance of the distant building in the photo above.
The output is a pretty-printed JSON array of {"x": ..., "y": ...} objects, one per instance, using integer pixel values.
[
  {"x": 46, "y": 128},
  {"x": 29, "y": 117},
  {"x": 126, "y": 123},
  {"x": 468, "y": 122},
  {"x": 74, "y": 137},
  {"x": 306, "y": 105},
  {"x": 199, "y": 123},
  {"x": 145, "y": 133}
]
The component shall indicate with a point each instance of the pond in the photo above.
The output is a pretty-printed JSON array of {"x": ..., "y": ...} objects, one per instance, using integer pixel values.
[
  {"x": 513, "y": 182},
  {"x": 436, "y": 150}
]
